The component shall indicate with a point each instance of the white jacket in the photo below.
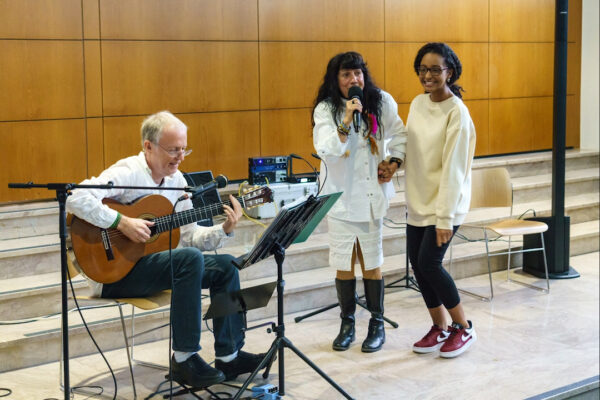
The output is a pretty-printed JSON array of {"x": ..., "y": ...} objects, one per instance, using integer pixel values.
[{"x": 351, "y": 168}]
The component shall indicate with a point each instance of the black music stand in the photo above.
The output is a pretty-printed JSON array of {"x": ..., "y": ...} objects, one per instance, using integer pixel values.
[
  {"x": 409, "y": 281},
  {"x": 293, "y": 224}
]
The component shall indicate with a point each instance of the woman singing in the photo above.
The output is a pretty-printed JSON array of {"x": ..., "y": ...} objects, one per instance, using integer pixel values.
[{"x": 361, "y": 160}]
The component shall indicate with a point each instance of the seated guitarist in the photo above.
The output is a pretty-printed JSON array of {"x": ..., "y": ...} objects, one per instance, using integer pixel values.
[{"x": 164, "y": 144}]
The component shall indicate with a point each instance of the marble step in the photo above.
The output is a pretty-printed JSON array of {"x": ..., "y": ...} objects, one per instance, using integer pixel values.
[
  {"x": 38, "y": 342},
  {"x": 40, "y": 255},
  {"x": 41, "y": 218},
  {"x": 29, "y": 297}
]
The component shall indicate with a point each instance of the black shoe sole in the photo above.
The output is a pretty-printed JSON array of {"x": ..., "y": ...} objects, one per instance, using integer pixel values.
[{"x": 209, "y": 382}]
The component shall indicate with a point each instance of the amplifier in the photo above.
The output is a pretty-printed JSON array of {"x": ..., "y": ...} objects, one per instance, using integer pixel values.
[
  {"x": 274, "y": 169},
  {"x": 283, "y": 193}
]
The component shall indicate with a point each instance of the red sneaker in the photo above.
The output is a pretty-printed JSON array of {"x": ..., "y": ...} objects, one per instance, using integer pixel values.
[
  {"x": 459, "y": 341},
  {"x": 434, "y": 339}
]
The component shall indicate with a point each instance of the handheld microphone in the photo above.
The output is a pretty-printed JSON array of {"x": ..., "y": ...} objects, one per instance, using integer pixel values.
[
  {"x": 356, "y": 92},
  {"x": 217, "y": 183}
]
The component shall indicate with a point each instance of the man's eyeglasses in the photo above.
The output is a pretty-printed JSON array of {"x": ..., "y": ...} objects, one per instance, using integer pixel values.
[
  {"x": 176, "y": 151},
  {"x": 435, "y": 71}
]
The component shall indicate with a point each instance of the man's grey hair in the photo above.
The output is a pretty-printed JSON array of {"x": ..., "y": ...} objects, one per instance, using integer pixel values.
[{"x": 153, "y": 126}]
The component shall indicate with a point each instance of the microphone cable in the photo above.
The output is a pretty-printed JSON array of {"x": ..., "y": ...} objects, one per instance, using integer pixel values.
[
  {"x": 112, "y": 373},
  {"x": 299, "y": 157},
  {"x": 315, "y": 155},
  {"x": 172, "y": 295}
]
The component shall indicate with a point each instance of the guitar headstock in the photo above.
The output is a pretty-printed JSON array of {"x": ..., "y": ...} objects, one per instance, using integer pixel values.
[{"x": 257, "y": 196}]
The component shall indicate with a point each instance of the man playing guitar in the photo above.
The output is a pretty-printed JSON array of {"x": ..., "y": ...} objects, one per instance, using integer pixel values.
[{"x": 164, "y": 147}]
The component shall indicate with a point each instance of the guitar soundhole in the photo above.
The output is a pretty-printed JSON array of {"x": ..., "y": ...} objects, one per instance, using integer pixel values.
[{"x": 154, "y": 236}]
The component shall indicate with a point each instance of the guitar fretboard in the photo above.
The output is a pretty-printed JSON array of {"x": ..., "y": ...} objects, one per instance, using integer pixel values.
[{"x": 163, "y": 224}]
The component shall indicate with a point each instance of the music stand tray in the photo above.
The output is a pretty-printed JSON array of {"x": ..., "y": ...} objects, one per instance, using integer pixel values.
[
  {"x": 293, "y": 224},
  {"x": 240, "y": 301}
]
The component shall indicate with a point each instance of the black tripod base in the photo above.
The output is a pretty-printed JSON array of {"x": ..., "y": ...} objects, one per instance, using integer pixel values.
[
  {"x": 191, "y": 390},
  {"x": 278, "y": 346},
  {"x": 409, "y": 283},
  {"x": 334, "y": 305}
]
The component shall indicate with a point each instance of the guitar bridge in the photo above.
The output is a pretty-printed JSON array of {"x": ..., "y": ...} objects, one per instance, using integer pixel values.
[{"x": 107, "y": 246}]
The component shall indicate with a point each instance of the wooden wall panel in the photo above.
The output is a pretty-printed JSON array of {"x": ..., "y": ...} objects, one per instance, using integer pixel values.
[
  {"x": 574, "y": 23},
  {"x": 403, "y": 111},
  {"x": 179, "y": 19},
  {"x": 222, "y": 142},
  {"x": 95, "y": 146},
  {"x": 290, "y": 73},
  {"x": 40, "y": 19},
  {"x": 574, "y": 68},
  {"x": 479, "y": 110},
  {"x": 435, "y": 20},
  {"x": 145, "y": 77},
  {"x": 91, "y": 19},
  {"x": 521, "y": 69},
  {"x": 573, "y": 125},
  {"x": 41, "y": 79},
  {"x": 287, "y": 131},
  {"x": 516, "y": 124},
  {"x": 122, "y": 137},
  {"x": 93, "y": 78},
  {"x": 41, "y": 152},
  {"x": 321, "y": 20},
  {"x": 403, "y": 83},
  {"x": 243, "y": 74},
  {"x": 521, "y": 20}
]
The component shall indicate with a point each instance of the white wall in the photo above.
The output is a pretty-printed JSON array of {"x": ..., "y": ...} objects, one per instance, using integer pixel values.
[{"x": 590, "y": 86}]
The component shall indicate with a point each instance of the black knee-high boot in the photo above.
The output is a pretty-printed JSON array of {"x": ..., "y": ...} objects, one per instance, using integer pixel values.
[
  {"x": 374, "y": 296},
  {"x": 346, "y": 290}
]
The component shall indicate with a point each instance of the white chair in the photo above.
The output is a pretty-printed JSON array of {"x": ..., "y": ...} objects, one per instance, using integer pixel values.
[
  {"x": 158, "y": 300},
  {"x": 492, "y": 188}
]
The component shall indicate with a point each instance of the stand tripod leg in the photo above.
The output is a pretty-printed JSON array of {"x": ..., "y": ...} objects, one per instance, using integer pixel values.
[
  {"x": 269, "y": 357},
  {"x": 389, "y": 321},
  {"x": 320, "y": 310},
  {"x": 287, "y": 343}
]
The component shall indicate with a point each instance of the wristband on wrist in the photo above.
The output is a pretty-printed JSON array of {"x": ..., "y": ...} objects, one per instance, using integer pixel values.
[
  {"x": 343, "y": 129},
  {"x": 117, "y": 220},
  {"x": 396, "y": 160}
]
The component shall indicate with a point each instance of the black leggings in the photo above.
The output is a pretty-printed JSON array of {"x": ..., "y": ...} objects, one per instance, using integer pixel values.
[{"x": 437, "y": 286}]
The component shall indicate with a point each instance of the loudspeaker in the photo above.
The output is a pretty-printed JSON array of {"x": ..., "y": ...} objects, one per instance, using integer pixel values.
[{"x": 533, "y": 262}]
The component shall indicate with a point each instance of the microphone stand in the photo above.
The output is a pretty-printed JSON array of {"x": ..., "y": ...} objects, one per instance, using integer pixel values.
[{"x": 62, "y": 192}]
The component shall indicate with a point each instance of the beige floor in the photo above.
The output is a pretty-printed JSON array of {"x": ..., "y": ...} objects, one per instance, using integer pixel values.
[{"x": 529, "y": 343}]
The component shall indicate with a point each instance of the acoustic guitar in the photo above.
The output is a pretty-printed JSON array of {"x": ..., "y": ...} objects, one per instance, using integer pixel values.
[{"x": 107, "y": 255}]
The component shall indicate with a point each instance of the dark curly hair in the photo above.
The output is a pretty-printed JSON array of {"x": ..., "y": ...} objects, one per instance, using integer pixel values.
[
  {"x": 450, "y": 59},
  {"x": 330, "y": 89}
]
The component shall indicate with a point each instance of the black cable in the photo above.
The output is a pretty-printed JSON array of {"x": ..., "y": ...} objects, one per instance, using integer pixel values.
[
  {"x": 93, "y": 340},
  {"x": 7, "y": 391},
  {"x": 172, "y": 294}
]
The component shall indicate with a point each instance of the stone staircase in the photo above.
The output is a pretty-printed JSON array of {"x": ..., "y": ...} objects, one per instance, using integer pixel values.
[{"x": 30, "y": 260}]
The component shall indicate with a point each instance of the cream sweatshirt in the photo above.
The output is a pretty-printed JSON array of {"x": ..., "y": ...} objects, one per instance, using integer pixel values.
[{"x": 439, "y": 155}]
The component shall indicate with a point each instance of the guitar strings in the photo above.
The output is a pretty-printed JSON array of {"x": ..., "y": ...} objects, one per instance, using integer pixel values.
[{"x": 163, "y": 221}]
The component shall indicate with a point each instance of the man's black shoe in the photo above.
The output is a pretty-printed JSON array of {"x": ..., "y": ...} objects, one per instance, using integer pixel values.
[
  {"x": 195, "y": 372},
  {"x": 242, "y": 364}
]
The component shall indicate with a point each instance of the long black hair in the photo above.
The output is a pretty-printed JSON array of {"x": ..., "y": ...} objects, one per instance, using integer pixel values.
[
  {"x": 450, "y": 59},
  {"x": 330, "y": 90}
]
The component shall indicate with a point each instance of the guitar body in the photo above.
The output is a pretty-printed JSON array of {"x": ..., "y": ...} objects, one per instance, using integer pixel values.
[{"x": 89, "y": 246}]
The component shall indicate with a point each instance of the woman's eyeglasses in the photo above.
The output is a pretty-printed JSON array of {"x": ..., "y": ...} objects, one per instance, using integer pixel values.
[{"x": 435, "y": 71}]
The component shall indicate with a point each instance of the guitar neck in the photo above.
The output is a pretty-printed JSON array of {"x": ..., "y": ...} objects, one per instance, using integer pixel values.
[{"x": 190, "y": 216}]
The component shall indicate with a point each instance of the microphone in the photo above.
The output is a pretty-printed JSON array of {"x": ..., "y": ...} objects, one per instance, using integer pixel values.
[
  {"x": 356, "y": 92},
  {"x": 217, "y": 183}
]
